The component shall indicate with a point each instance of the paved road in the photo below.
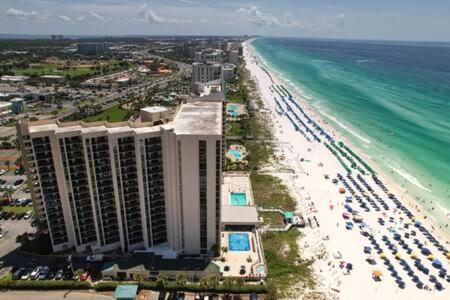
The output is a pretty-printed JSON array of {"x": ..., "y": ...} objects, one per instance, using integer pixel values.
[{"x": 52, "y": 295}]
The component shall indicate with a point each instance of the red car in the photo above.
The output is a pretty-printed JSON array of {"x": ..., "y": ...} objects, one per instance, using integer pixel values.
[{"x": 84, "y": 276}]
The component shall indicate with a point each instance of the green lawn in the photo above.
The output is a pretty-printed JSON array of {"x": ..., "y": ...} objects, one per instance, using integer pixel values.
[
  {"x": 17, "y": 209},
  {"x": 269, "y": 191},
  {"x": 47, "y": 69},
  {"x": 236, "y": 98},
  {"x": 113, "y": 114},
  {"x": 285, "y": 266},
  {"x": 274, "y": 219},
  {"x": 235, "y": 129},
  {"x": 10, "y": 124}
]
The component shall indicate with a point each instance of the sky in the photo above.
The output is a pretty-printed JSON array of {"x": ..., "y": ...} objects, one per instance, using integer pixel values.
[{"x": 417, "y": 20}]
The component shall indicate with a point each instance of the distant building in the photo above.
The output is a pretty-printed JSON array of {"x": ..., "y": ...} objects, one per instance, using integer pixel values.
[
  {"x": 53, "y": 77},
  {"x": 234, "y": 57},
  {"x": 14, "y": 78},
  {"x": 209, "y": 56},
  {"x": 16, "y": 105},
  {"x": 5, "y": 109},
  {"x": 57, "y": 37},
  {"x": 241, "y": 51},
  {"x": 92, "y": 48},
  {"x": 228, "y": 72},
  {"x": 205, "y": 72}
]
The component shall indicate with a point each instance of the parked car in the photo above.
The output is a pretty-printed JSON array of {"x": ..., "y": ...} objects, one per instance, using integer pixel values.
[
  {"x": 85, "y": 276},
  {"x": 2, "y": 214},
  {"x": 44, "y": 273},
  {"x": 13, "y": 216},
  {"x": 34, "y": 275},
  {"x": 95, "y": 258},
  {"x": 19, "y": 216},
  {"x": 18, "y": 273},
  {"x": 26, "y": 275},
  {"x": 18, "y": 182},
  {"x": 8, "y": 215},
  {"x": 51, "y": 274},
  {"x": 3, "y": 171},
  {"x": 3, "y": 232},
  {"x": 59, "y": 274},
  {"x": 28, "y": 215},
  {"x": 26, "y": 202}
]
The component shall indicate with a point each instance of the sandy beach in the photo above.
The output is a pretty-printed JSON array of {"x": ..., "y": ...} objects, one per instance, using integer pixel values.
[{"x": 386, "y": 231}]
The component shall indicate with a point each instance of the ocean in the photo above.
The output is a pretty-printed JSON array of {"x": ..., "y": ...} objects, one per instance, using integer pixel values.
[{"x": 391, "y": 100}]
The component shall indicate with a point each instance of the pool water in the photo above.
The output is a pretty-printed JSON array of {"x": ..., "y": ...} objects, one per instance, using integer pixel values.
[
  {"x": 238, "y": 242},
  {"x": 231, "y": 109},
  {"x": 235, "y": 153},
  {"x": 238, "y": 199}
]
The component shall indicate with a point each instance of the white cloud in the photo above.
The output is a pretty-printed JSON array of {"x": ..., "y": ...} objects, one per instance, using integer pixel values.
[
  {"x": 20, "y": 14},
  {"x": 147, "y": 15},
  {"x": 63, "y": 18},
  {"x": 341, "y": 20},
  {"x": 256, "y": 16},
  {"x": 81, "y": 19},
  {"x": 96, "y": 15}
]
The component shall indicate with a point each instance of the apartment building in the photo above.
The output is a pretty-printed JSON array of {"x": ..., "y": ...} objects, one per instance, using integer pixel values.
[
  {"x": 92, "y": 48},
  {"x": 210, "y": 55},
  {"x": 131, "y": 185}
]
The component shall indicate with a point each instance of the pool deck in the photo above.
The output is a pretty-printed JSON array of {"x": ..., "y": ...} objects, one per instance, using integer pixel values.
[
  {"x": 235, "y": 259},
  {"x": 236, "y": 182}
]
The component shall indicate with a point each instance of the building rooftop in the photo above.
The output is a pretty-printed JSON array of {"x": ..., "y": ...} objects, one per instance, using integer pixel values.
[
  {"x": 155, "y": 109},
  {"x": 125, "y": 292},
  {"x": 192, "y": 119},
  {"x": 239, "y": 215},
  {"x": 197, "y": 118},
  {"x": 4, "y": 104}
]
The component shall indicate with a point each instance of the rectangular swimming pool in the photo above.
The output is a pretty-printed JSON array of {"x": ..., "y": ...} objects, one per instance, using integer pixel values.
[
  {"x": 238, "y": 199},
  {"x": 238, "y": 242}
]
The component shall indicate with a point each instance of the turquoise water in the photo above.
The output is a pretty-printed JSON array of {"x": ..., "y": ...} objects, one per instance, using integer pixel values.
[
  {"x": 238, "y": 199},
  {"x": 390, "y": 100},
  {"x": 238, "y": 242},
  {"x": 235, "y": 153},
  {"x": 231, "y": 109}
]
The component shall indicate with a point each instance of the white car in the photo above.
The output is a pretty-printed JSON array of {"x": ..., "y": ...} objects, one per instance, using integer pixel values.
[
  {"x": 3, "y": 232},
  {"x": 28, "y": 215},
  {"x": 3, "y": 171},
  {"x": 35, "y": 274}
]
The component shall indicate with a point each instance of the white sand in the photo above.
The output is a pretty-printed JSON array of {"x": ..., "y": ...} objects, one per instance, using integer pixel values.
[{"x": 314, "y": 195}]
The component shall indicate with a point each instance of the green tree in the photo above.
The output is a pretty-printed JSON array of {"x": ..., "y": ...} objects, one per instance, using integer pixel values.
[
  {"x": 162, "y": 280},
  {"x": 23, "y": 239},
  {"x": 78, "y": 273},
  {"x": 181, "y": 280}
]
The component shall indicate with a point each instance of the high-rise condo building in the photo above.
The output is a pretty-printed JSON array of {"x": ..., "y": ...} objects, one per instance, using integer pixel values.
[{"x": 150, "y": 184}]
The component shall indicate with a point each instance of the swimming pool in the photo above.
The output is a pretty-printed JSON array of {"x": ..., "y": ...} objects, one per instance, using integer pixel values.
[
  {"x": 238, "y": 242},
  {"x": 235, "y": 153},
  {"x": 238, "y": 199}
]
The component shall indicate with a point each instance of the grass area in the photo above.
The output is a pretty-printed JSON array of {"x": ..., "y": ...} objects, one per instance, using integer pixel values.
[
  {"x": 285, "y": 266},
  {"x": 113, "y": 114},
  {"x": 235, "y": 129},
  {"x": 274, "y": 219},
  {"x": 10, "y": 124},
  {"x": 236, "y": 98},
  {"x": 89, "y": 101},
  {"x": 269, "y": 191},
  {"x": 49, "y": 69},
  {"x": 17, "y": 209}
]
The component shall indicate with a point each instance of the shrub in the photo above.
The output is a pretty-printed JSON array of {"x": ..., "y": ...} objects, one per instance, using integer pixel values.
[{"x": 44, "y": 285}]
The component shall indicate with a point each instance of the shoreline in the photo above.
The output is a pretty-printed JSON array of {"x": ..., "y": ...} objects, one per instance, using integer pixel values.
[
  {"x": 402, "y": 193},
  {"x": 317, "y": 196}
]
